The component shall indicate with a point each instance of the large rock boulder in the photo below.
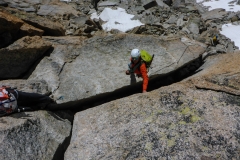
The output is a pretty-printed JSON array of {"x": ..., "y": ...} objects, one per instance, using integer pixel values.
[
  {"x": 49, "y": 68},
  {"x": 3, "y": 3},
  {"x": 27, "y": 5},
  {"x": 98, "y": 65},
  {"x": 34, "y": 135},
  {"x": 30, "y": 86},
  {"x": 17, "y": 58},
  {"x": 82, "y": 26},
  {"x": 162, "y": 4},
  {"x": 57, "y": 9},
  {"x": 13, "y": 28},
  {"x": 214, "y": 14},
  {"x": 51, "y": 28},
  {"x": 48, "y": 1},
  {"x": 193, "y": 25},
  {"x": 220, "y": 74},
  {"x": 9, "y": 22},
  {"x": 187, "y": 120}
]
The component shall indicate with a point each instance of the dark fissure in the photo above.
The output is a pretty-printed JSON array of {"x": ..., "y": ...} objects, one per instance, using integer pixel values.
[{"x": 154, "y": 83}]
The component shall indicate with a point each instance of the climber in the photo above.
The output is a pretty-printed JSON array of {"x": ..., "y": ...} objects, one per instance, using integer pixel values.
[
  {"x": 138, "y": 67},
  {"x": 214, "y": 40},
  {"x": 12, "y": 100}
]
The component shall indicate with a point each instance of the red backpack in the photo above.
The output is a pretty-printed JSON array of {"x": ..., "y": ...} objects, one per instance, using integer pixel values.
[
  {"x": 8, "y": 103},
  {"x": 3, "y": 94}
]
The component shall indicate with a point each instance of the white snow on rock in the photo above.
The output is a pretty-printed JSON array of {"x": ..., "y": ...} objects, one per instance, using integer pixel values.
[
  {"x": 232, "y": 31},
  {"x": 228, "y": 5},
  {"x": 229, "y": 30},
  {"x": 117, "y": 19}
]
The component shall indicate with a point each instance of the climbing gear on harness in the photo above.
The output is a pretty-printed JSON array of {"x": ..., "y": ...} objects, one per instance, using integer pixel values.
[{"x": 23, "y": 109}]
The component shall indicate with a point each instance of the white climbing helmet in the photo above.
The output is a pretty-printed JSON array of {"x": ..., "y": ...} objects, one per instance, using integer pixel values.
[{"x": 135, "y": 53}]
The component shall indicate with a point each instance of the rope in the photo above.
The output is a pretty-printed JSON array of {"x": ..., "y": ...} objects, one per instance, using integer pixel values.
[{"x": 180, "y": 56}]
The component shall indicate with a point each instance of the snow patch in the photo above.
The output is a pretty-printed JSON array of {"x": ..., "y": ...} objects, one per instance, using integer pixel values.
[
  {"x": 228, "y": 5},
  {"x": 232, "y": 31},
  {"x": 229, "y": 30},
  {"x": 117, "y": 19}
]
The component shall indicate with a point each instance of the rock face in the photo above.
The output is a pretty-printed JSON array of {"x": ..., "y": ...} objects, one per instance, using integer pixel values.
[
  {"x": 33, "y": 135},
  {"x": 13, "y": 24},
  {"x": 28, "y": 5},
  {"x": 197, "y": 118},
  {"x": 187, "y": 120},
  {"x": 214, "y": 14},
  {"x": 40, "y": 87},
  {"x": 13, "y": 28},
  {"x": 65, "y": 51},
  {"x": 49, "y": 27},
  {"x": 4, "y": 4},
  {"x": 98, "y": 65},
  {"x": 18, "y": 57},
  {"x": 55, "y": 9},
  {"x": 219, "y": 74}
]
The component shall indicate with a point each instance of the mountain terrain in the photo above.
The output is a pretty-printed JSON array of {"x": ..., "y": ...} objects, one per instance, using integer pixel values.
[{"x": 191, "y": 109}]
